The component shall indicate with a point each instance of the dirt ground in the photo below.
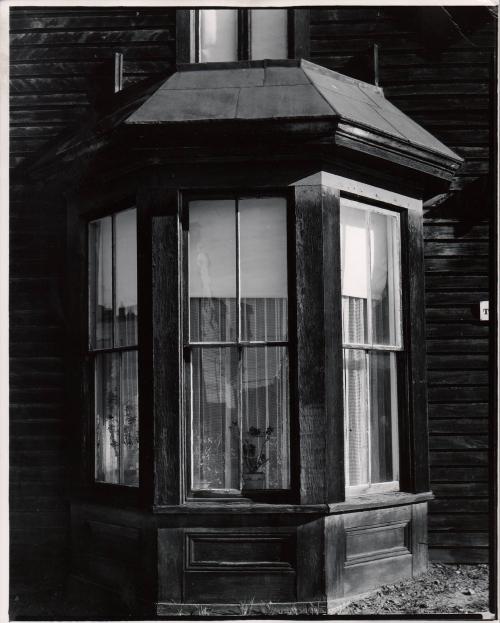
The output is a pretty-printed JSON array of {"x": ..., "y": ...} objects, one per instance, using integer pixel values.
[{"x": 444, "y": 589}]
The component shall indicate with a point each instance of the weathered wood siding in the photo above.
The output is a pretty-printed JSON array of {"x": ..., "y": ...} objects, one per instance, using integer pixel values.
[
  {"x": 61, "y": 59},
  {"x": 60, "y": 65},
  {"x": 447, "y": 90}
]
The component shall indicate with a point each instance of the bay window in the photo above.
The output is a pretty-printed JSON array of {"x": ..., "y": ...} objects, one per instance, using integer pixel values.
[
  {"x": 372, "y": 343},
  {"x": 238, "y": 344},
  {"x": 112, "y": 346}
]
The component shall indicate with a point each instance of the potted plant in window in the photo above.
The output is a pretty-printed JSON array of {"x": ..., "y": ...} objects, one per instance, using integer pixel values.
[{"x": 254, "y": 457}]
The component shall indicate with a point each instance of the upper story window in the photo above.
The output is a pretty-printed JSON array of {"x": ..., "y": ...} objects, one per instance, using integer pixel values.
[
  {"x": 226, "y": 35},
  {"x": 112, "y": 346},
  {"x": 238, "y": 344},
  {"x": 372, "y": 344}
]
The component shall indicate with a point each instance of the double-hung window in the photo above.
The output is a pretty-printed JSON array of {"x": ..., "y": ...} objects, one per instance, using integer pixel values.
[
  {"x": 372, "y": 343},
  {"x": 225, "y": 35},
  {"x": 237, "y": 375},
  {"x": 112, "y": 346}
]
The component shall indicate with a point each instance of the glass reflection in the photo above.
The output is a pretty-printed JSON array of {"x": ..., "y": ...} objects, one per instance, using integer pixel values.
[
  {"x": 101, "y": 283},
  {"x": 263, "y": 269},
  {"x": 354, "y": 275},
  {"x": 265, "y": 418},
  {"x": 212, "y": 271},
  {"x": 269, "y": 33},
  {"x": 125, "y": 278},
  {"x": 218, "y": 35},
  {"x": 383, "y": 416},
  {"x": 384, "y": 279},
  {"x": 214, "y": 412}
]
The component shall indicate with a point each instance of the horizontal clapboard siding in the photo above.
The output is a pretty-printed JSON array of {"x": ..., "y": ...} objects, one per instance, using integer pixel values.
[
  {"x": 448, "y": 92},
  {"x": 59, "y": 61},
  {"x": 458, "y": 376},
  {"x": 39, "y": 528}
]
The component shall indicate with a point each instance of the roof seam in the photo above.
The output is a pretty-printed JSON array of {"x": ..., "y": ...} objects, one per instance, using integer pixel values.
[{"x": 329, "y": 104}]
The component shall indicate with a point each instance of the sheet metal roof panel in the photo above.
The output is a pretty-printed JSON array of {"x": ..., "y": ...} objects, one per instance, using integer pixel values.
[
  {"x": 274, "y": 102},
  {"x": 216, "y": 78},
  {"x": 275, "y": 76},
  {"x": 413, "y": 132},
  {"x": 168, "y": 106}
]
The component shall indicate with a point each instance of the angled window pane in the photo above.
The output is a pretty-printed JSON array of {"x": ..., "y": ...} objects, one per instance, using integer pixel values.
[
  {"x": 383, "y": 417},
  {"x": 100, "y": 283},
  {"x": 214, "y": 418},
  {"x": 263, "y": 269},
  {"x": 212, "y": 271},
  {"x": 268, "y": 33},
  {"x": 129, "y": 417},
  {"x": 356, "y": 417},
  {"x": 385, "y": 298},
  {"x": 265, "y": 418},
  {"x": 125, "y": 278},
  {"x": 218, "y": 35},
  {"x": 354, "y": 275},
  {"x": 107, "y": 417}
]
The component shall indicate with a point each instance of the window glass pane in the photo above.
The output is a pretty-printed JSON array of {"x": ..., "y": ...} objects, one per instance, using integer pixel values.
[
  {"x": 384, "y": 279},
  {"x": 383, "y": 417},
  {"x": 126, "y": 278},
  {"x": 354, "y": 275},
  {"x": 269, "y": 33},
  {"x": 265, "y": 419},
  {"x": 214, "y": 424},
  {"x": 263, "y": 269},
  {"x": 356, "y": 417},
  {"x": 116, "y": 418},
  {"x": 212, "y": 271},
  {"x": 100, "y": 283},
  {"x": 107, "y": 417},
  {"x": 129, "y": 419},
  {"x": 218, "y": 35}
]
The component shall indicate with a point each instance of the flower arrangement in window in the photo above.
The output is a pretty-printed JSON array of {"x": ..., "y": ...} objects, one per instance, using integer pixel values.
[{"x": 255, "y": 458}]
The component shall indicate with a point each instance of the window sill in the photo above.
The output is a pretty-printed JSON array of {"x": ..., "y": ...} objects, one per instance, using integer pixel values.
[
  {"x": 243, "y": 507},
  {"x": 379, "y": 500}
]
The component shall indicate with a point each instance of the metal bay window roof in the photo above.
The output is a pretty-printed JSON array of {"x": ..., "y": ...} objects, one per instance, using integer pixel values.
[
  {"x": 292, "y": 98},
  {"x": 269, "y": 90}
]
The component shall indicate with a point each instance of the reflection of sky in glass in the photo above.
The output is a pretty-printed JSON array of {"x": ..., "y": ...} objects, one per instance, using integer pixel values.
[
  {"x": 218, "y": 35},
  {"x": 126, "y": 258},
  {"x": 212, "y": 249},
  {"x": 263, "y": 258},
  {"x": 268, "y": 28}
]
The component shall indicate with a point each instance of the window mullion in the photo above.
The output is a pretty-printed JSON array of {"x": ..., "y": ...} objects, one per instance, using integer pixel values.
[
  {"x": 239, "y": 389},
  {"x": 368, "y": 418},
  {"x": 369, "y": 280}
]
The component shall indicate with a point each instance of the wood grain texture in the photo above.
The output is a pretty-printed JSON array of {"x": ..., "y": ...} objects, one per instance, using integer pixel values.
[
  {"x": 166, "y": 348},
  {"x": 334, "y": 371},
  {"x": 310, "y": 344}
]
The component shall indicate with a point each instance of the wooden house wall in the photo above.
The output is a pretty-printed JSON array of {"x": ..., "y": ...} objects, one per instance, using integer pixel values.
[
  {"x": 61, "y": 63},
  {"x": 443, "y": 83},
  {"x": 61, "y": 60}
]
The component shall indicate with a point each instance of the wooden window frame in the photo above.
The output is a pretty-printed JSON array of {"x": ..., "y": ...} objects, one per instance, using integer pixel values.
[
  {"x": 411, "y": 370},
  {"x": 187, "y": 50},
  {"x": 271, "y": 496},
  {"x": 398, "y": 349},
  {"x": 319, "y": 336},
  {"x": 92, "y": 353}
]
